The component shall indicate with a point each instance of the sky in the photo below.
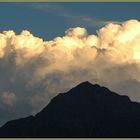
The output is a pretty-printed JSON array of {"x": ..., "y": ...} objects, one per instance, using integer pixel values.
[
  {"x": 41, "y": 18},
  {"x": 48, "y": 48}
]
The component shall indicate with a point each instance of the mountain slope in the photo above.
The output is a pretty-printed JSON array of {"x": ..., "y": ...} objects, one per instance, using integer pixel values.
[{"x": 85, "y": 111}]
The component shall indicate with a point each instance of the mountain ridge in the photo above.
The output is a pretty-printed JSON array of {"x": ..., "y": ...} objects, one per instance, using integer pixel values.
[{"x": 86, "y": 110}]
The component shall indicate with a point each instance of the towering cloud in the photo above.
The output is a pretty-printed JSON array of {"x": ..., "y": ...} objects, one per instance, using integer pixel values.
[{"x": 33, "y": 71}]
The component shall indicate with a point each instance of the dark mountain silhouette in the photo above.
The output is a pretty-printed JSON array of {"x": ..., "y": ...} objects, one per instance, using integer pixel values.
[{"x": 85, "y": 111}]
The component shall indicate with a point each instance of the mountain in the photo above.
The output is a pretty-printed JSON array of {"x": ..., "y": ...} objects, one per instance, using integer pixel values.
[{"x": 85, "y": 111}]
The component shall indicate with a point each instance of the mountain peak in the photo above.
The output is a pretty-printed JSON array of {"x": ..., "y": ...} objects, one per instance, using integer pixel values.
[
  {"x": 87, "y": 83},
  {"x": 95, "y": 90},
  {"x": 85, "y": 87}
]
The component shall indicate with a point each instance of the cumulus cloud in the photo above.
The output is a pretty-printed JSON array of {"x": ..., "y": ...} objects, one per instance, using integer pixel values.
[{"x": 34, "y": 70}]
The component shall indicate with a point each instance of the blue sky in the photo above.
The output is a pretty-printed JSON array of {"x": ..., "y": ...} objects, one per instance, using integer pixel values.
[{"x": 48, "y": 20}]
